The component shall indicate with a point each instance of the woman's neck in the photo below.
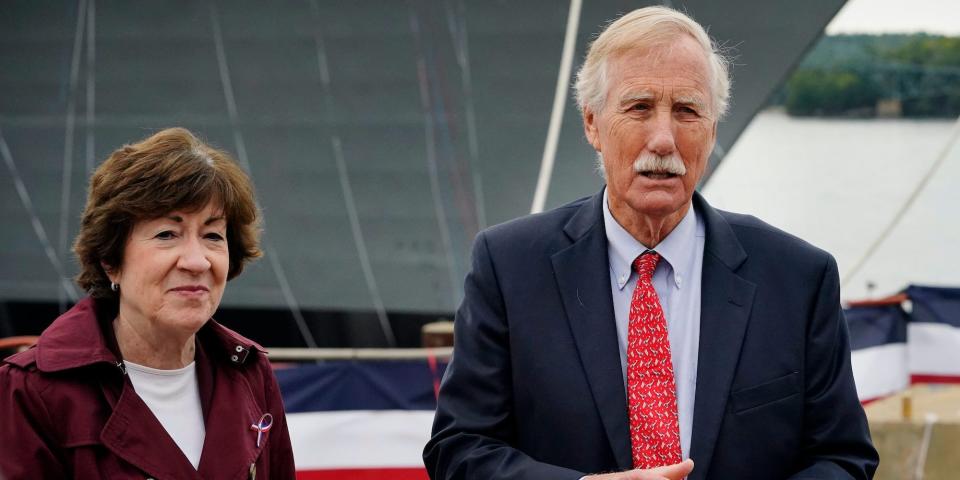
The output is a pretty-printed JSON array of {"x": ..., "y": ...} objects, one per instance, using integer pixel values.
[{"x": 143, "y": 345}]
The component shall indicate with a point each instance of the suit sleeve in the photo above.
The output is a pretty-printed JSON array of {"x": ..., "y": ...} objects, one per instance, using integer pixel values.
[
  {"x": 836, "y": 443},
  {"x": 474, "y": 429},
  {"x": 26, "y": 451}
]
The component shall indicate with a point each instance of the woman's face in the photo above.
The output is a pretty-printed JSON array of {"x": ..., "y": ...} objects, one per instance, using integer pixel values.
[{"x": 174, "y": 271}]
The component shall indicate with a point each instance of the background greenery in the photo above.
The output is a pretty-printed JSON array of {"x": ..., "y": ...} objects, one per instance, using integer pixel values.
[{"x": 849, "y": 75}]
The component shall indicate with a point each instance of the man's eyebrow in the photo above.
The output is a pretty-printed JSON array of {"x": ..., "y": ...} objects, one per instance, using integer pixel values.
[
  {"x": 631, "y": 97},
  {"x": 694, "y": 100}
]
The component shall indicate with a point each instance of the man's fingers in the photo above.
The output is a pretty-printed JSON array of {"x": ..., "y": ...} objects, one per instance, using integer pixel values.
[
  {"x": 670, "y": 472},
  {"x": 676, "y": 471}
]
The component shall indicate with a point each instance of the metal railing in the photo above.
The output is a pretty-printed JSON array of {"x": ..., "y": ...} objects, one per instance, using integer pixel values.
[{"x": 313, "y": 354}]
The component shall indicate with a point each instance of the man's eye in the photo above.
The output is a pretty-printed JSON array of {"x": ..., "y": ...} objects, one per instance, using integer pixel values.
[
  {"x": 641, "y": 107},
  {"x": 685, "y": 110}
]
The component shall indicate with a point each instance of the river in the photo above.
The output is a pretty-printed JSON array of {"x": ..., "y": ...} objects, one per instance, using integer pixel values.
[{"x": 838, "y": 183}]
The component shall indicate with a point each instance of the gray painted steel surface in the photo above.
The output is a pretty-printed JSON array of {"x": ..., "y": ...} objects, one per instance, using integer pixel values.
[{"x": 381, "y": 135}]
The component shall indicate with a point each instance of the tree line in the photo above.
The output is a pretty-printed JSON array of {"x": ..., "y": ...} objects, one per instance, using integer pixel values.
[{"x": 876, "y": 75}]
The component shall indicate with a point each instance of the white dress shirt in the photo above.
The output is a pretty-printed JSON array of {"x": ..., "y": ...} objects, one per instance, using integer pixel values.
[{"x": 677, "y": 282}]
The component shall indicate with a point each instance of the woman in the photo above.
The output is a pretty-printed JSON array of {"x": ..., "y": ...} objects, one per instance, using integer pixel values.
[{"x": 137, "y": 380}]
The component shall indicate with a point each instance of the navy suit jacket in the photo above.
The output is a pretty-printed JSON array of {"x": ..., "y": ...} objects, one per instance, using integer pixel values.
[{"x": 535, "y": 389}]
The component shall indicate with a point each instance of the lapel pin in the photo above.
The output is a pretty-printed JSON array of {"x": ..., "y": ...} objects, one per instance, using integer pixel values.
[{"x": 263, "y": 426}]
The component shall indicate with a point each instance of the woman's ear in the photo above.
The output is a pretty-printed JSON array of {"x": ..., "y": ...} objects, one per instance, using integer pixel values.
[{"x": 112, "y": 273}]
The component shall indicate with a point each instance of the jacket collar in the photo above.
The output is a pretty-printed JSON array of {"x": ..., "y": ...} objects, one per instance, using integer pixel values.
[
  {"x": 722, "y": 242},
  {"x": 76, "y": 339},
  {"x": 82, "y": 336},
  {"x": 587, "y": 217}
]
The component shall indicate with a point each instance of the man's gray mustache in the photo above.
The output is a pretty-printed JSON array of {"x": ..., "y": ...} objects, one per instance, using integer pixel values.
[{"x": 648, "y": 162}]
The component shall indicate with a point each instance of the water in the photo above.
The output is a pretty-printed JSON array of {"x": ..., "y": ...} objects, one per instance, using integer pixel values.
[{"x": 838, "y": 183}]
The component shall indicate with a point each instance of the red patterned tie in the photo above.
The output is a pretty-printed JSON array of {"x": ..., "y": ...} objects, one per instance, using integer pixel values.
[{"x": 654, "y": 427}]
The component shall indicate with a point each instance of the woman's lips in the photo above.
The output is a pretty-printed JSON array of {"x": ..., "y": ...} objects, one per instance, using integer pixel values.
[{"x": 191, "y": 290}]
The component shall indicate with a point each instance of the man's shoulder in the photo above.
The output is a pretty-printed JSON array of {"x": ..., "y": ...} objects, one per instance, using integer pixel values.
[
  {"x": 760, "y": 237},
  {"x": 532, "y": 238},
  {"x": 535, "y": 225}
]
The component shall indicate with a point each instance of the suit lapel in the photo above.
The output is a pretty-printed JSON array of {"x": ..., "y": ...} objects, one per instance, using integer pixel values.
[
  {"x": 582, "y": 273},
  {"x": 134, "y": 434},
  {"x": 726, "y": 300},
  {"x": 230, "y": 445}
]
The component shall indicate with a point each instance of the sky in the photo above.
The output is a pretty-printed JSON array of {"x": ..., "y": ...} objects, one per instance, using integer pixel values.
[{"x": 898, "y": 16}]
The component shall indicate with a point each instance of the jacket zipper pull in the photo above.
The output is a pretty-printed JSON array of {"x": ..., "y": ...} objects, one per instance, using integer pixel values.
[{"x": 122, "y": 367}]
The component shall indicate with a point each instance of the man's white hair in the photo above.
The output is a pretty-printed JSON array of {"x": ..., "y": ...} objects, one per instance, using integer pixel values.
[{"x": 641, "y": 29}]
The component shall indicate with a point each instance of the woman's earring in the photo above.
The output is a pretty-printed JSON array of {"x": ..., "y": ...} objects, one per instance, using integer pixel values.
[{"x": 115, "y": 287}]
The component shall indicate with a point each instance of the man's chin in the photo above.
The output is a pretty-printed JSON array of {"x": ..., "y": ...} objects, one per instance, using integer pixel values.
[{"x": 657, "y": 203}]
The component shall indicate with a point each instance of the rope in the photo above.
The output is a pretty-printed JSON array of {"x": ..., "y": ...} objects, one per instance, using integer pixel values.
[
  {"x": 954, "y": 136},
  {"x": 269, "y": 252},
  {"x": 556, "y": 116},
  {"x": 68, "y": 137}
]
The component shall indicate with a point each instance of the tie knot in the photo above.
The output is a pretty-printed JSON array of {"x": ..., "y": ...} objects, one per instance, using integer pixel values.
[{"x": 646, "y": 263}]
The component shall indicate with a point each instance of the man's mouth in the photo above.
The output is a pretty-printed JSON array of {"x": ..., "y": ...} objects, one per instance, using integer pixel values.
[{"x": 658, "y": 175}]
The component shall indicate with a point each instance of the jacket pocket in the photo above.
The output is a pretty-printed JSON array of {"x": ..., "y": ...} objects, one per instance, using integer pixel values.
[{"x": 766, "y": 392}]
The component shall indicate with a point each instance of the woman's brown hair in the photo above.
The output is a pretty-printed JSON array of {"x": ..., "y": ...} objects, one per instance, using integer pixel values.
[{"x": 171, "y": 170}]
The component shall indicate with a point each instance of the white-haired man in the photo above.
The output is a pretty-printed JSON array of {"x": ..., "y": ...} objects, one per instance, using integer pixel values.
[{"x": 640, "y": 331}]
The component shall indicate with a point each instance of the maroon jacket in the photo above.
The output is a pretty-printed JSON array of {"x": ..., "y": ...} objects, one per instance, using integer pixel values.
[{"x": 67, "y": 410}]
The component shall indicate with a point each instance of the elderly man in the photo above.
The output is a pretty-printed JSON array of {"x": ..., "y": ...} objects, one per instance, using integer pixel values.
[{"x": 640, "y": 331}]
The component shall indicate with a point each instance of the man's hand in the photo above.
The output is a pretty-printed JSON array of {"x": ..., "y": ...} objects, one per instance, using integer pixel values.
[{"x": 670, "y": 472}]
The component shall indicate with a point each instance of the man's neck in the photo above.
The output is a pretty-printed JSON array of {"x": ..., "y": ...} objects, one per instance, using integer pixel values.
[{"x": 646, "y": 229}]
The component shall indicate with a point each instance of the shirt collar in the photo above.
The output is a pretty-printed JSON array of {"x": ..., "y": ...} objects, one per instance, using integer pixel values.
[{"x": 677, "y": 249}]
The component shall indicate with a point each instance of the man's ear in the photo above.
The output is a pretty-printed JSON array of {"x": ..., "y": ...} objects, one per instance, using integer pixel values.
[{"x": 590, "y": 128}]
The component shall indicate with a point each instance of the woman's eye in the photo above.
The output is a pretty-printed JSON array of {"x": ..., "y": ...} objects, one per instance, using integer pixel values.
[
  {"x": 165, "y": 235},
  {"x": 214, "y": 236}
]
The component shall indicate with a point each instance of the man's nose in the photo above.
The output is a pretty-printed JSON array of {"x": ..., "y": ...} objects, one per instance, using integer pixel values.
[
  {"x": 661, "y": 141},
  {"x": 193, "y": 257}
]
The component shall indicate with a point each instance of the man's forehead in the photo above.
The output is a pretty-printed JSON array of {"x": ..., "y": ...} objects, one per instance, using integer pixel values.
[
  {"x": 644, "y": 74},
  {"x": 678, "y": 73},
  {"x": 682, "y": 60}
]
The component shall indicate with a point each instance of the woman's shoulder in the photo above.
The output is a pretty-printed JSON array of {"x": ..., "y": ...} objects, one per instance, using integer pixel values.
[
  {"x": 22, "y": 387},
  {"x": 19, "y": 374},
  {"x": 47, "y": 398},
  {"x": 24, "y": 360},
  {"x": 225, "y": 346},
  {"x": 15, "y": 375}
]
